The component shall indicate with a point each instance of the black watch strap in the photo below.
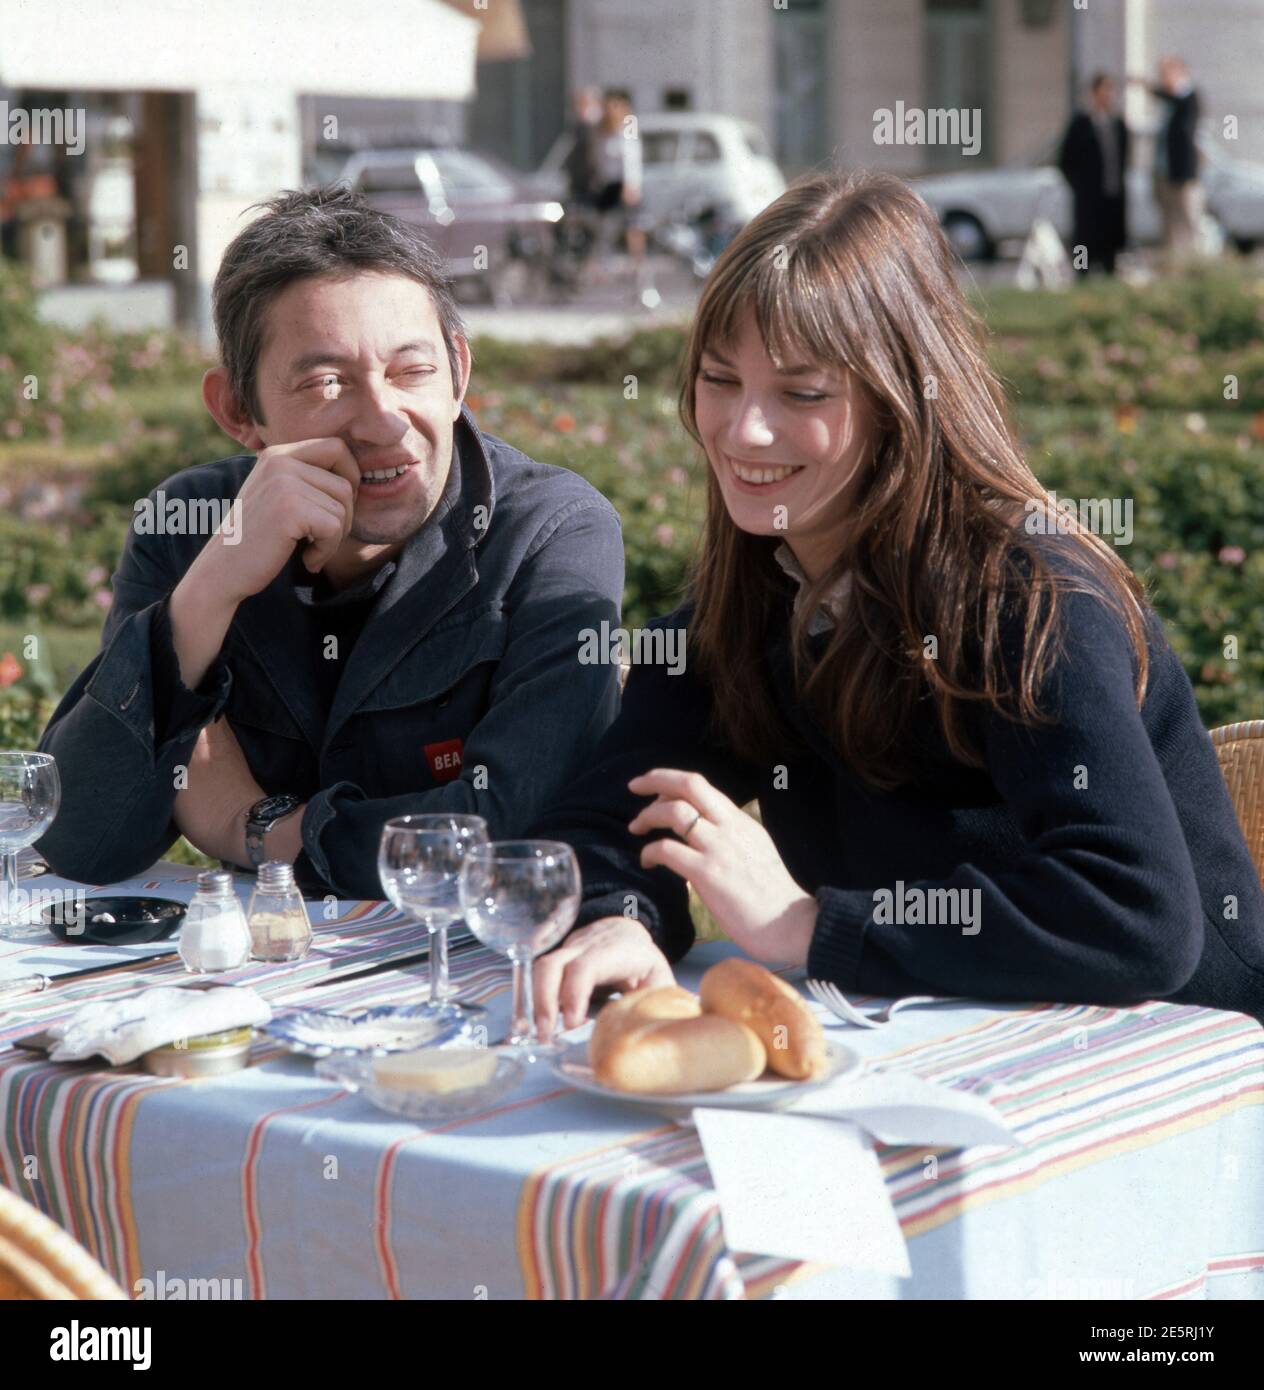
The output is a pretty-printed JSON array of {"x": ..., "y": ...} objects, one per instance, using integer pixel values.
[{"x": 263, "y": 815}]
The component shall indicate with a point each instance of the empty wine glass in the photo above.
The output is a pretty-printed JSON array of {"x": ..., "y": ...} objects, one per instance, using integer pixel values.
[
  {"x": 521, "y": 897},
  {"x": 419, "y": 862},
  {"x": 30, "y": 793}
]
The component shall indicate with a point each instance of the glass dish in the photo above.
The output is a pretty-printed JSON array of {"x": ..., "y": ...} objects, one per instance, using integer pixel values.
[
  {"x": 375, "y": 1032},
  {"x": 356, "y": 1074}
]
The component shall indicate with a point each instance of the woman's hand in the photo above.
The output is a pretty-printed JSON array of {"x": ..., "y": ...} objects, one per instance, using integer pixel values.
[
  {"x": 616, "y": 952},
  {"x": 731, "y": 861}
]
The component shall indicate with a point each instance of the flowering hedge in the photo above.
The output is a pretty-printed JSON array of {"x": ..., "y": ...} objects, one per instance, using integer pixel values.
[{"x": 1120, "y": 394}]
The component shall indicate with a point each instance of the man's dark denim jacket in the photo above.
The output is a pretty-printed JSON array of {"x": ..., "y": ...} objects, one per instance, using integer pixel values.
[{"x": 475, "y": 638}]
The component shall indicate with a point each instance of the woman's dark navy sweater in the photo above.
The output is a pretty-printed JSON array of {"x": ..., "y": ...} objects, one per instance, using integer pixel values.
[{"x": 1108, "y": 862}]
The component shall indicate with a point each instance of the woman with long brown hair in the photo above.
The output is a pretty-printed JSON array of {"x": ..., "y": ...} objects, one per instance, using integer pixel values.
[{"x": 978, "y": 762}]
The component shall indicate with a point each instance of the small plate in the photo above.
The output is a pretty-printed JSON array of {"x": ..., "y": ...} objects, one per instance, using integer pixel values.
[
  {"x": 120, "y": 921},
  {"x": 767, "y": 1092},
  {"x": 375, "y": 1032},
  {"x": 356, "y": 1074}
]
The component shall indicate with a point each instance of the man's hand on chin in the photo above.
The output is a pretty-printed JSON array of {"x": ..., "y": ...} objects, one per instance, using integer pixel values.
[{"x": 211, "y": 812}]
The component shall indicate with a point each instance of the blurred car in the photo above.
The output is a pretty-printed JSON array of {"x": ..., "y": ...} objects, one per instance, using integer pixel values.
[
  {"x": 690, "y": 162},
  {"x": 465, "y": 201},
  {"x": 979, "y": 211}
]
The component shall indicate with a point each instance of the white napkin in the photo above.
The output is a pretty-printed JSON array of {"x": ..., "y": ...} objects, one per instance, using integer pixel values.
[
  {"x": 122, "y": 1029},
  {"x": 822, "y": 1197},
  {"x": 900, "y": 1107}
]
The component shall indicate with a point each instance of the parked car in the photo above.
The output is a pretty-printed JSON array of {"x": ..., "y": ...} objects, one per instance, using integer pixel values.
[
  {"x": 690, "y": 162},
  {"x": 487, "y": 219},
  {"x": 979, "y": 211}
]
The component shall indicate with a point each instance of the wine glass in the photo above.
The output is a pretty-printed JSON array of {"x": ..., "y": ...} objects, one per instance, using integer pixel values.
[
  {"x": 520, "y": 898},
  {"x": 419, "y": 862},
  {"x": 30, "y": 793}
]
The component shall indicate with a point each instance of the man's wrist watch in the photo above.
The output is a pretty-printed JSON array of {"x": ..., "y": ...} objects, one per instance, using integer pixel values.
[{"x": 261, "y": 817}]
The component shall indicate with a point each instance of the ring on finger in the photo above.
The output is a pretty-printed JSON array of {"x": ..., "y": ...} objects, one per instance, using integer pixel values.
[{"x": 685, "y": 834}]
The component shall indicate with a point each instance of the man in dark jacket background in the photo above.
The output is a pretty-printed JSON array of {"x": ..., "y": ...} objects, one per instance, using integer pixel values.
[
  {"x": 374, "y": 611},
  {"x": 1177, "y": 188},
  {"x": 1094, "y": 161}
]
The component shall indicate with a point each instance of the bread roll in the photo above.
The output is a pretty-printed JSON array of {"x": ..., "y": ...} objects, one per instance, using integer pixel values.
[
  {"x": 703, "y": 1053},
  {"x": 658, "y": 1041},
  {"x": 660, "y": 1005},
  {"x": 746, "y": 993}
]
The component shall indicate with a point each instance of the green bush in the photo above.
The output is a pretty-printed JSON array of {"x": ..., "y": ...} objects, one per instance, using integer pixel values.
[
  {"x": 651, "y": 355},
  {"x": 1119, "y": 393},
  {"x": 178, "y": 439},
  {"x": 53, "y": 386},
  {"x": 59, "y": 573}
]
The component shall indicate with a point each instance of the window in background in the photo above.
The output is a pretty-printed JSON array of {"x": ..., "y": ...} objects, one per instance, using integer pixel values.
[
  {"x": 959, "y": 73},
  {"x": 801, "y": 76}
]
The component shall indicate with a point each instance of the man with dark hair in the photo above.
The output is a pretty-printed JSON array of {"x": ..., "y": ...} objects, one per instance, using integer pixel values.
[
  {"x": 1094, "y": 161},
  {"x": 386, "y": 618}
]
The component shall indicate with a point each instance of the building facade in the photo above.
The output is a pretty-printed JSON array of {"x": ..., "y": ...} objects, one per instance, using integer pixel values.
[{"x": 813, "y": 74}]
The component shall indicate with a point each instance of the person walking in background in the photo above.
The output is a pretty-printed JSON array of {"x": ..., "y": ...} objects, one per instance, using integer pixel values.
[
  {"x": 1177, "y": 189},
  {"x": 580, "y": 165},
  {"x": 619, "y": 170},
  {"x": 1094, "y": 161},
  {"x": 576, "y": 235}
]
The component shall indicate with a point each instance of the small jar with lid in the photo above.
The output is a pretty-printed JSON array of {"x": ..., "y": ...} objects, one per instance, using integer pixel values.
[
  {"x": 214, "y": 935},
  {"x": 279, "y": 926}
]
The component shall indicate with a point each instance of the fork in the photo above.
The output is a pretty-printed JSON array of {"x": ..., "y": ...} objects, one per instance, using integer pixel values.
[{"x": 836, "y": 1002}]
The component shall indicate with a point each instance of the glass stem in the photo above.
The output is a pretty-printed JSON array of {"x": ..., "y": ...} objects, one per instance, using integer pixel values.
[
  {"x": 439, "y": 990},
  {"x": 8, "y": 908},
  {"x": 523, "y": 1031}
]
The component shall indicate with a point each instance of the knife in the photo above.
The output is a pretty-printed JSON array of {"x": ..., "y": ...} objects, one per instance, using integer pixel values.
[
  {"x": 35, "y": 984},
  {"x": 381, "y": 966}
]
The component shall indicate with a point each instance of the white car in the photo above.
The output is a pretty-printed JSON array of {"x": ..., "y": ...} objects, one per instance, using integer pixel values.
[
  {"x": 980, "y": 211},
  {"x": 690, "y": 161}
]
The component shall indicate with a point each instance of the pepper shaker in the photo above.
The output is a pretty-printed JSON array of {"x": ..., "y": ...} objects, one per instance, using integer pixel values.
[{"x": 279, "y": 926}]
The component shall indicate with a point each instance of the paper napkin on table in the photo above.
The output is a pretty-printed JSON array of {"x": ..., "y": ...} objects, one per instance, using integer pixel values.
[
  {"x": 801, "y": 1188},
  {"x": 821, "y": 1196},
  {"x": 900, "y": 1107},
  {"x": 122, "y": 1029}
]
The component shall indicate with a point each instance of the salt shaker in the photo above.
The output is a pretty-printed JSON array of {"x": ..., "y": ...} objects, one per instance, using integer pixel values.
[
  {"x": 279, "y": 928},
  {"x": 214, "y": 935}
]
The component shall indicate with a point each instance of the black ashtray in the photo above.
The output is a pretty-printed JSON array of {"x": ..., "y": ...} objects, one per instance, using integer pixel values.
[{"x": 115, "y": 921}]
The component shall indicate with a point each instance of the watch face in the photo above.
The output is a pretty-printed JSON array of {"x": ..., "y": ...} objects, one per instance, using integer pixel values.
[{"x": 273, "y": 806}]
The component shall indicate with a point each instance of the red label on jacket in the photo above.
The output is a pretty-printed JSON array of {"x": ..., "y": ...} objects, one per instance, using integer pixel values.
[{"x": 445, "y": 759}]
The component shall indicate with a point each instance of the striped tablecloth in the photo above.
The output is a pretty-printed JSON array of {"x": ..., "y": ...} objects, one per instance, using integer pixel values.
[{"x": 1138, "y": 1174}]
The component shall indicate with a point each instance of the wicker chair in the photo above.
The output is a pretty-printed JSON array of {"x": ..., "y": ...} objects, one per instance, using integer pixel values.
[
  {"x": 38, "y": 1260},
  {"x": 1240, "y": 748}
]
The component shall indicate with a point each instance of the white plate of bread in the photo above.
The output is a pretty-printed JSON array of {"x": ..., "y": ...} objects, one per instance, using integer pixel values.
[{"x": 746, "y": 1040}]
